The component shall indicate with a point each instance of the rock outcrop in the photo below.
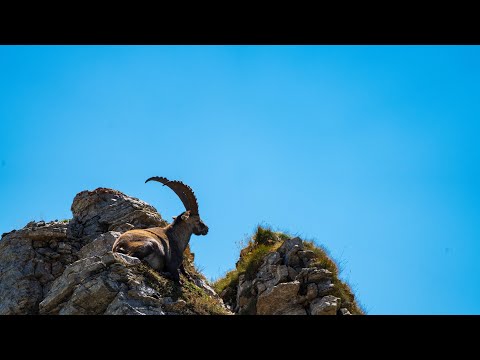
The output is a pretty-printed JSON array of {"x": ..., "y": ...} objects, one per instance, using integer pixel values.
[
  {"x": 96, "y": 212},
  {"x": 291, "y": 277},
  {"x": 66, "y": 267}
]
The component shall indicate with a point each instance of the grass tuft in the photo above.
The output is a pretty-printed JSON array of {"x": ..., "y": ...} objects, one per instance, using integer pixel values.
[
  {"x": 264, "y": 241},
  {"x": 197, "y": 300}
]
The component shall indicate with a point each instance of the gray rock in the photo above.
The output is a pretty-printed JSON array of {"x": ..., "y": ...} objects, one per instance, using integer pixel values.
[
  {"x": 279, "y": 299},
  {"x": 201, "y": 283},
  {"x": 243, "y": 291},
  {"x": 312, "y": 291},
  {"x": 327, "y": 305},
  {"x": 125, "y": 259},
  {"x": 289, "y": 244},
  {"x": 64, "y": 248},
  {"x": 90, "y": 297},
  {"x": 292, "y": 273},
  {"x": 29, "y": 262},
  {"x": 63, "y": 287},
  {"x": 267, "y": 277},
  {"x": 24, "y": 270},
  {"x": 344, "y": 311},
  {"x": 261, "y": 287},
  {"x": 101, "y": 210},
  {"x": 325, "y": 287},
  {"x": 308, "y": 275},
  {"x": 295, "y": 310},
  {"x": 123, "y": 304},
  {"x": 111, "y": 284},
  {"x": 48, "y": 231},
  {"x": 307, "y": 257},
  {"x": 273, "y": 258},
  {"x": 306, "y": 254},
  {"x": 281, "y": 274},
  {"x": 68, "y": 267},
  {"x": 100, "y": 246},
  {"x": 291, "y": 258}
]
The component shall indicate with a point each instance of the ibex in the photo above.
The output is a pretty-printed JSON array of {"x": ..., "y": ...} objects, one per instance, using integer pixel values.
[{"x": 163, "y": 247}]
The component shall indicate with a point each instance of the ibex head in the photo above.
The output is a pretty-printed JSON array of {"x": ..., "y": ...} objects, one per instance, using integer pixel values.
[{"x": 189, "y": 200}]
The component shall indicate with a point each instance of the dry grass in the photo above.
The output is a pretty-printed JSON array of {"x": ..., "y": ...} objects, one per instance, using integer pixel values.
[
  {"x": 264, "y": 241},
  {"x": 197, "y": 300}
]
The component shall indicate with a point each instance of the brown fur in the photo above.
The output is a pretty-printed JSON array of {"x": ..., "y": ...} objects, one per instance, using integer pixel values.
[{"x": 162, "y": 248}]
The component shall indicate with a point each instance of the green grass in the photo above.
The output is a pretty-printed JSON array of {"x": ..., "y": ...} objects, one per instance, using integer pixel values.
[
  {"x": 197, "y": 301},
  {"x": 341, "y": 289},
  {"x": 322, "y": 257},
  {"x": 264, "y": 241}
]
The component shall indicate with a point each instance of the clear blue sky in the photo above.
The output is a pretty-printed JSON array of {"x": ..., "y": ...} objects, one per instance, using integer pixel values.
[{"x": 373, "y": 151}]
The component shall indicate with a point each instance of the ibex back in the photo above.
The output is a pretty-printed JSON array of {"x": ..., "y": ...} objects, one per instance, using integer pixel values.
[{"x": 163, "y": 247}]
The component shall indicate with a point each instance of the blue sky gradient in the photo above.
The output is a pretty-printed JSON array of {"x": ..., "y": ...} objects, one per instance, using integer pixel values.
[{"x": 372, "y": 151}]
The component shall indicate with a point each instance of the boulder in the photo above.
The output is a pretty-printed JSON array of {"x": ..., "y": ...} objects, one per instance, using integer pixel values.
[
  {"x": 279, "y": 299},
  {"x": 101, "y": 210},
  {"x": 327, "y": 305}
]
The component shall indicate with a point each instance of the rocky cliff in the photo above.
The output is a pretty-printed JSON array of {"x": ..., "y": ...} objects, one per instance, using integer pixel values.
[
  {"x": 282, "y": 275},
  {"x": 66, "y": 267}
]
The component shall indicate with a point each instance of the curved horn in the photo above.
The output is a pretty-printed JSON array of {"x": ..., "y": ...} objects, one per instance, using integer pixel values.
[{"x": 184, "y": 192}]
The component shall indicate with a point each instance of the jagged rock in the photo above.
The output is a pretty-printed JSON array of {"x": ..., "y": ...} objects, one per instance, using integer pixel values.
[
  {"x": 273, "y": 258},
  {"x": 291, "y": 258},
  {"x": 47, "y": 231},
  {"x": 307, "y": 257},
  {"x": 260, "y": 287},
  {"x": 325, "y": 287},
  {"x": 124, "y": 305},
  {"x": 327, "y": 305},
  {"x": 101, "y": 210},
  {"x": 68, "y": 268},
  {"x": 243, "y": 291},
  {"x": 279, "y": 300},
  {"x": 344, "y": 311},
  {"x": 288, "y": 281},
  {"x": 74, "y": 276},
  {"x": 294, "y": 310},
  {"x": 111, "y": 284},
  {"x": 100, "y": 246},
  {"x": 28, "y": 265},
  {"x": 281, "y": 274},
  {"x": 289, "y": 244},
  {"x": 309, "y": 275},
  {"x": 201, "y": 283},
  {"x": 312, "y": 291},
  {"x": 292, "y": 273}
]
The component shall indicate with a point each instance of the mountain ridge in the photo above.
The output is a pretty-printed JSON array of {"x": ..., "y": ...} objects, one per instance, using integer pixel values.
[{"x": 67, "y": 268}]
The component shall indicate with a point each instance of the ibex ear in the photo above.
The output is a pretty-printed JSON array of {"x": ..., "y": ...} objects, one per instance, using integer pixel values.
[{"x": 186, "y": 215}]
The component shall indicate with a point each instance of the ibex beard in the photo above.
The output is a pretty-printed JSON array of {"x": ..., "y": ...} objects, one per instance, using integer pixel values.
[{"x": 163, "y": 247}]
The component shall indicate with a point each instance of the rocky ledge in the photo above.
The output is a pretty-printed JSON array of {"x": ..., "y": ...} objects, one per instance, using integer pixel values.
[
  {"x": 66, "y": 267},
  {"x": 281, "y": 275}
]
